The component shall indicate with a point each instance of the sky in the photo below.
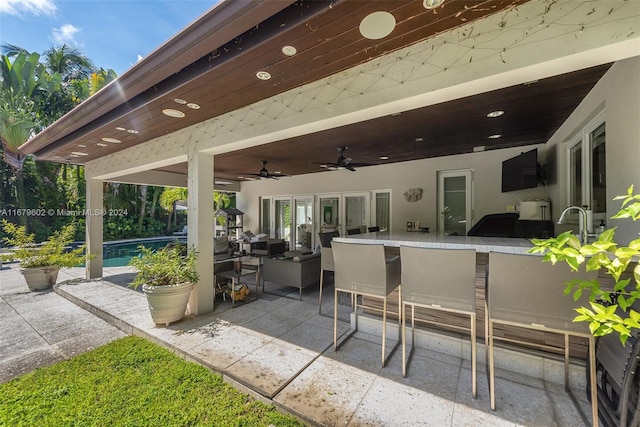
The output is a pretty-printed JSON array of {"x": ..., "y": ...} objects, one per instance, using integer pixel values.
[{"x": 112, "y": 34}]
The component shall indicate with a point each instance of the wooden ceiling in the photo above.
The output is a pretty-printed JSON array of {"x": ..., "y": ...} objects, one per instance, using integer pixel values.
[
  {"x": 327, "y": 39},
  {"x": 231, "y": 48},
  {"x": 532, "y": 113}
]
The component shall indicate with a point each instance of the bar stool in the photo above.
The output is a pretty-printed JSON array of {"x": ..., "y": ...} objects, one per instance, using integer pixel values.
[
  {"x": 524, "y": 292},
  {"x": 443, "y": 280},
  {"x": 362, "y": 269},
  {"x": 326, "y": 260}
]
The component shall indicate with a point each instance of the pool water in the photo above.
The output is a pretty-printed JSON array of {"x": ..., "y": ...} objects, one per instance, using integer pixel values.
[{"x": 119, "y": 254}]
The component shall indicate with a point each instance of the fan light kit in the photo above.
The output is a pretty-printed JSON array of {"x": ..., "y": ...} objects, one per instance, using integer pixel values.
[
  {"x": 343, "y": 162},
  {"x": 264, "y": 173}
]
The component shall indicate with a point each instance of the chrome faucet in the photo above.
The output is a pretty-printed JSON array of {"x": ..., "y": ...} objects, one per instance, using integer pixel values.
[{"x": 584, "y": 233}]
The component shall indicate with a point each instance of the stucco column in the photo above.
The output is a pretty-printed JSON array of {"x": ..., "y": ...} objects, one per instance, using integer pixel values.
[
  {"x": 94, "y": 217},
  {"x": 200, "y": 229}
]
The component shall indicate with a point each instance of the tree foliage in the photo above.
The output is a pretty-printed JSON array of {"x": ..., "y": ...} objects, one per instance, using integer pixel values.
[{"x": 611, "y": 309}]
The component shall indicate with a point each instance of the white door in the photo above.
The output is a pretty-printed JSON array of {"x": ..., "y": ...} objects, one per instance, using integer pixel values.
[
  {"x": 329, "y": 212},
  {"x": 303, "y": 222},
  {"x": 357, "y": 208},
  {"x": 455, "y": 195},
  {"x": 282, "y": 219}
]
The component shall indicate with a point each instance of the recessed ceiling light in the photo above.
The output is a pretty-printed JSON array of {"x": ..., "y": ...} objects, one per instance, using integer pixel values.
[
  {"x": 432, "y": 4},
  {"x": 377, "y": 25},
  {"x": 73, "y": 155},
  {"x": 223, "y": 182},
  {"x": 495, "y": 136},
  {"x": 496, "y": 113},
  {"x": 173, "y": 113},
  {"x": 100, "y": 144},
  {"x": 263, "y": 75},
  {"x": 324, "y": 166},
  {"x": 419, "y": 139},
  {"x": 114, "y": 140},
  {"x": 79, "y": 153},
  {"x": 132, "y": 131},
  {"x": 289, "y": 50},
  {"x": 82, "y": 146},
  {"x": 180, "y": 101},
  {"x": 193, "y": 106},
  {"x": 384, "y": 157},
  {"x": 120, "y": 128}
]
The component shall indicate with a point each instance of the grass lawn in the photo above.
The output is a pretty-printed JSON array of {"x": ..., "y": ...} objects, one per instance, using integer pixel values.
[{"x": 130, "y": 382}]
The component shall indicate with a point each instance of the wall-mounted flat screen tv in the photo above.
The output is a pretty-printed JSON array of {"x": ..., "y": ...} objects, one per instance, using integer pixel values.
[{"x": 520, "y": 172}]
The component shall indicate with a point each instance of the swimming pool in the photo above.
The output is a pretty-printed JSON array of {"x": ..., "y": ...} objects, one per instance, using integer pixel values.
[{"x": 118, "y": 254}]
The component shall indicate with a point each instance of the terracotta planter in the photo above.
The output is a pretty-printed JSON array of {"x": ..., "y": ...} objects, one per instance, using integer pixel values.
[
  {"x": 40, "y": 278},
  {"x": 167, "y": 303}
]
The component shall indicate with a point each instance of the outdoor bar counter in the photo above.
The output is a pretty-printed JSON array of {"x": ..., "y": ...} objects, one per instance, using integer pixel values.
[
  {"x": 427, "y": 240},
  {"x": 483, "y": 245}
]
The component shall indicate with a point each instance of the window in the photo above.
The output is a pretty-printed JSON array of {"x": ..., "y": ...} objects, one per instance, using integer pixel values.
[{"x": 587, "y": 168}]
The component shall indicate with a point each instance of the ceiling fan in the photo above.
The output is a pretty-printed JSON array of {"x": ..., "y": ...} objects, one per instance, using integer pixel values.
[
  {"x": 264, "y": 173},
  {"x": 343, "y": 162}
]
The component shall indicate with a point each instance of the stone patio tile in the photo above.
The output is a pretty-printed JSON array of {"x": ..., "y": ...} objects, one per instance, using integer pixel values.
[
  {"x": 429, "y": 372},
  {"x": 25, "y": 363},
  {"x": 223, "y": 350},
  {"x": 390, "y": 403},
  {"x": 567, "y": 414},
  {"x": 269, "y": 367},
  {"x": 327, "y": 392},
  {"x": 273, "y": 324},
  {"x": 240, "y": 315},
  {"x": 309, "y": 337},
  {"x": 516, "y": 404}
]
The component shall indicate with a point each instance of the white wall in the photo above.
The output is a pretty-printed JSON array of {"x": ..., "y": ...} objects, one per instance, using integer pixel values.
[
  {"x": 618, "y": 95},
  {"x": 399, "y": 177}
]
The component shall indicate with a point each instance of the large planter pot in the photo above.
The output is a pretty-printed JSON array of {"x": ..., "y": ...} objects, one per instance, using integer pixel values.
[
  {"x": 167, "y": 303},
  {"x": 40, "y": 278}
]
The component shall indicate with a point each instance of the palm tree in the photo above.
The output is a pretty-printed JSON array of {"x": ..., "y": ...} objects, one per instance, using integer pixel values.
[
  {"x": 69, "y": 62},
  {"x": 168, "y": 200},
  {"x": 21, "y": 85}
]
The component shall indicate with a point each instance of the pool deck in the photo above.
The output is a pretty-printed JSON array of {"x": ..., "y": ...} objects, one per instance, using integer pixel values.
[{"x": 279, "y": 350}]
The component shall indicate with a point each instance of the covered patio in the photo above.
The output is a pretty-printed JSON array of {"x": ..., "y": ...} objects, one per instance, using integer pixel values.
[
  {"x": 197, "y": 110},
  {"x": 290, "y": 82}
]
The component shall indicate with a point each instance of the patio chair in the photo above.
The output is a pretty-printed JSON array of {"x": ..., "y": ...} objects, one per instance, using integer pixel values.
[
  {"x": 522, "y": 291},
  {"x": 363, "y": 269},
  {"x": 326, "y": 262},
  {"x": 442, "y": 280}
]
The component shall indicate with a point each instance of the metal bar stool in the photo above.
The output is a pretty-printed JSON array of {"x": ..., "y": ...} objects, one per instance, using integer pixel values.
[
  {"x": 362, "y": 269},
  {"x": 443, "y": 280},
  {"x": 524, "y": 292},
  {"x": 326, "y": 260}
]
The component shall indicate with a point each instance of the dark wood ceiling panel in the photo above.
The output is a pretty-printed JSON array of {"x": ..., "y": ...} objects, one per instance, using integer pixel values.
[
  {"x": 326, "y": 35},
  {"x": 532, "y": 114}
]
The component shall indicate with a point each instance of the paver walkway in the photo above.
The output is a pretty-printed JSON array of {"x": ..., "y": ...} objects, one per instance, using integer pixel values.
[{"x": 279, "y": 350}]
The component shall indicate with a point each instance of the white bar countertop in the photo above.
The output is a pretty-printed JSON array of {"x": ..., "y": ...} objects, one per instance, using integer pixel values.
[{"x": 429, "y": 240}]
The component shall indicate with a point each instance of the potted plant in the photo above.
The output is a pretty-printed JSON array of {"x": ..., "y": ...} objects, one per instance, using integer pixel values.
[
  {"x": 610, "y": 310},
  {"x": 167, "y": 277},
  {"x": 40, "y": 263}
]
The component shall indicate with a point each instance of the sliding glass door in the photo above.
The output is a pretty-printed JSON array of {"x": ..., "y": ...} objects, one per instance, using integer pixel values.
[{"x": 303, "y": 222}]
